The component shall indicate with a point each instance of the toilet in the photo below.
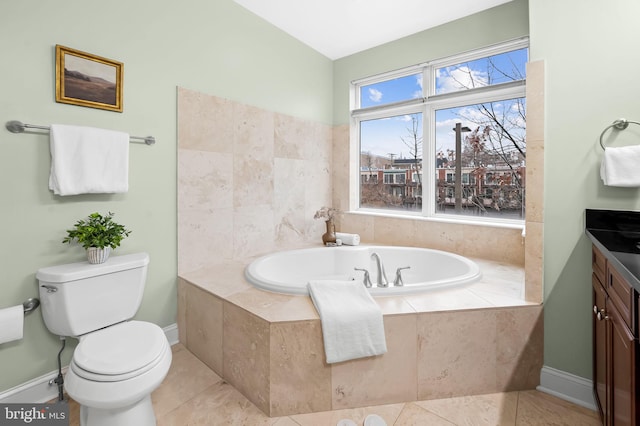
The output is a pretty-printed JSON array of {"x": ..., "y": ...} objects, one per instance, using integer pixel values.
[{"x": 118, "y": 361}]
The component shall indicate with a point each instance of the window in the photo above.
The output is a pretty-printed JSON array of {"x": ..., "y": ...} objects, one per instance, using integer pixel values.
[
  {"x": 450, "y": 133},
  {"x": 393, "y": 90}
]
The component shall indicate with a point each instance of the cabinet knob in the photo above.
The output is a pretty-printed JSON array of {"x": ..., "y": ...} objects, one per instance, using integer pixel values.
[{"x": 600, "y": 313}]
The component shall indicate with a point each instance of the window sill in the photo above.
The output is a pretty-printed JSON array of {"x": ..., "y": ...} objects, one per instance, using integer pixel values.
[{"x": 488, "y": 222}]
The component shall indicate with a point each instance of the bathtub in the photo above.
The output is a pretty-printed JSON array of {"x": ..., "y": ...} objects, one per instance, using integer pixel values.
[{"x": 289, "y": 272}]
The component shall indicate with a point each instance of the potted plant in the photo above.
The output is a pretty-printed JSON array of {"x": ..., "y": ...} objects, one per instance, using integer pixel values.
[{"x": 98, "y": 234}]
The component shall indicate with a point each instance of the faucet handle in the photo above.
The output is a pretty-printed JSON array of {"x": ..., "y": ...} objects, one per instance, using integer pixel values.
[
  {"x": 367, "y": 279},
  {"x": 398, "y": 281}
]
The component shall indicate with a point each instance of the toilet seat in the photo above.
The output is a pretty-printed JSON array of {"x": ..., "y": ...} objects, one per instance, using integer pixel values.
[{"x": 119, "y": 352}]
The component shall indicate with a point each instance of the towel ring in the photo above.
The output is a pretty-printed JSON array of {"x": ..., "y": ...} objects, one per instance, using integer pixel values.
[{"x": 619, "y": 124}]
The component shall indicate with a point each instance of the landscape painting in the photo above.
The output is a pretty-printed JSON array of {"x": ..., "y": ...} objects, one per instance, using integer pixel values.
[{"x": 88, "y": 80}]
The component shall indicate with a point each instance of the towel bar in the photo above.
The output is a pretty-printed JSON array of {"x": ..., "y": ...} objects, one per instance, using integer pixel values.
[
  {"x": 15, "y": 126},
  {"x": 619, "y": 124}
]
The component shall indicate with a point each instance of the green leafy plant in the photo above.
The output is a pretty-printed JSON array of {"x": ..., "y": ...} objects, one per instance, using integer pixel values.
[{"x": 97, "y": 231}]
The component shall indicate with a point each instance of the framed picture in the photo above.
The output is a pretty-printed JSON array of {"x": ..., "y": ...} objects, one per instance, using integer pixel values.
[{"x": 88, "y": 80}]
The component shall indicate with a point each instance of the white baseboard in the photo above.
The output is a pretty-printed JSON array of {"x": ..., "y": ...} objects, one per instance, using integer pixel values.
[
  {"x": 567, "y": 386},
  {"x": 39, "y": 390},
  {"x": 171, "y": 331}
]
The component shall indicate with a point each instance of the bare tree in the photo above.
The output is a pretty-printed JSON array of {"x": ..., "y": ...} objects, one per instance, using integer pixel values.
[
  {"x": 368, "y": 162},
  {"x": 498, "y": 141},
  {"x": 414, "y": 142}
]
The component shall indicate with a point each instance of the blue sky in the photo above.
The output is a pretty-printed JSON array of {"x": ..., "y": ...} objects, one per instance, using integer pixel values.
[{"x": 382, "y": 137}]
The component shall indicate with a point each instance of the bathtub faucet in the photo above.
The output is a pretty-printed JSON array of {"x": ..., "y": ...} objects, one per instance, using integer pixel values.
[
  {"x": 398, "y": 282},
  {"x": 382, "y": 276},
  {"x": 366, "y": 280}
]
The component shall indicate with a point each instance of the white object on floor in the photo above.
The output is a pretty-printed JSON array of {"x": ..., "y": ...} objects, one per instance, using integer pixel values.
[
  {"x": 87, "y": 160},
  {"x": 352, "y": 324},
  {"x": 374, "y": 420},
  {"x": 346, "y": 422}
]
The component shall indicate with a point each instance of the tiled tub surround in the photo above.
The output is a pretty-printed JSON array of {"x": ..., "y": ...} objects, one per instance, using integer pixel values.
[
  {"x": 249, "y": 182},
  {"x": 479, "y": 339}
]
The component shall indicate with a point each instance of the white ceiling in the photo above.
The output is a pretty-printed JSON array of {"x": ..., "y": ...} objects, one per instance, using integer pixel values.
[{"x": 338, "y": 28}]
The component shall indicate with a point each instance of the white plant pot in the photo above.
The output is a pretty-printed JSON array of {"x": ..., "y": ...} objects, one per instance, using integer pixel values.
[{"x": 98, "y": 255}]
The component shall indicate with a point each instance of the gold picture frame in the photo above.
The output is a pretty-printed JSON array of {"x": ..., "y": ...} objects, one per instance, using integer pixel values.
[{"x": 88, "y": 80}]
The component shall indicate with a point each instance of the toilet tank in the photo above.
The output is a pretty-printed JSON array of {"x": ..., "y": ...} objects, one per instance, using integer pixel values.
[{"x": 78, "y": 298}]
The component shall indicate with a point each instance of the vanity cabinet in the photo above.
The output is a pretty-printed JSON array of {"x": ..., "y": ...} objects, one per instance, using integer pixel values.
[{"x": 615, "y": 344}]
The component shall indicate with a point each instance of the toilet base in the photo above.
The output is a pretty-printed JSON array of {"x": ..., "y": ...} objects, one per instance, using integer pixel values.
[{"x": 139, "y": 414}]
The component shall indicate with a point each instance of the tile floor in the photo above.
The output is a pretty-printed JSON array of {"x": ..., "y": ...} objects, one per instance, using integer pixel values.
[{"x": 193, "y": 395}]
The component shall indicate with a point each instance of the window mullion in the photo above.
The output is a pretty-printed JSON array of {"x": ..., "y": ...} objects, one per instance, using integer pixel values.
[
  {"x": 428, "y": 145},
  {"x": 481, "y": 94},
  {"x": 387, "y": 107},
  {"x": 428, "y": 161}
]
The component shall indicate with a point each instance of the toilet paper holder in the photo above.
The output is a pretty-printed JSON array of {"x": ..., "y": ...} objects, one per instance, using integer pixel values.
[{"x": 30, "y": 305}]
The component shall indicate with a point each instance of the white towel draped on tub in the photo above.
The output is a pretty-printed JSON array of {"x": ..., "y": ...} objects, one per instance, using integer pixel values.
[
  {"x": 621, "y": 166},
  {"x": 352, "y": 324},
  {"x": 86, "y": 160}
]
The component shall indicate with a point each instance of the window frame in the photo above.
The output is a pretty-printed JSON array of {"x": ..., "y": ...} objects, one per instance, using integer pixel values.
[{"x": 427, "y": 105}]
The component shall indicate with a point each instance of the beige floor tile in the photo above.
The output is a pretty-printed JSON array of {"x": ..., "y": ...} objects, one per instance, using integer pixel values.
[
  {"x": 218, "y": 405},
  {"x": 285, "y": 421},
  {"x": 330, "y": 418},
  {"x": 537, "y": 408},
  {"x": 481, "y": 410},
  {"x": 414, "y": 415},
  {"x": 187, "y": 378}
]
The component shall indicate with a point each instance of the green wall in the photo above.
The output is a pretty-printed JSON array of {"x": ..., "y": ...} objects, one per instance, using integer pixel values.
[
  {"x": 592, "y": 63},
  {"x": 215, "y": 47}
]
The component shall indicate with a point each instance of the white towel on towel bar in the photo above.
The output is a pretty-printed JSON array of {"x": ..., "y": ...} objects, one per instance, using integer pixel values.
[
  {"x": 352, "y": 324},
  {"x": 621, "y": 166},
  {"x": 87, "y": 160}
]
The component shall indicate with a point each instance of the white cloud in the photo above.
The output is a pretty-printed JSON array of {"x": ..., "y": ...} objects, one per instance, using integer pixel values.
[
  {"x": 375, "y": 95},
  {"x": 419, "y": 93},
  {"x": 452, "y": 79}
]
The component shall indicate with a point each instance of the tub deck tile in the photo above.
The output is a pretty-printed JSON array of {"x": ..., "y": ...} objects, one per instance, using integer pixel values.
[
  {"x": 275, "y": 307},
  {"x": 480, "y": 338}
]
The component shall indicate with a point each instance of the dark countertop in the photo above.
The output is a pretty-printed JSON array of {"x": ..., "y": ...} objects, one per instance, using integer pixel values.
[{"x": 617, "y": 235}]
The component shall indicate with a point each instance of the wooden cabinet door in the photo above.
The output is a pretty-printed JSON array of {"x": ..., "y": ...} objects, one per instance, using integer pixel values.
[
  {"x": 622, "y": 371},
  {"x": 600, "y": 346}
]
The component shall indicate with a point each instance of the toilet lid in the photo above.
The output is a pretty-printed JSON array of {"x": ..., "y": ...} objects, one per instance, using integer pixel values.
[{"x": 120, "y": 349}]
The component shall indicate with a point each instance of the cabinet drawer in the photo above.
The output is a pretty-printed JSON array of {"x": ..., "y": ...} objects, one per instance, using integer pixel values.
[
  {"x": 621, "y": 294},
  {"x": 598, "y": 263}
]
